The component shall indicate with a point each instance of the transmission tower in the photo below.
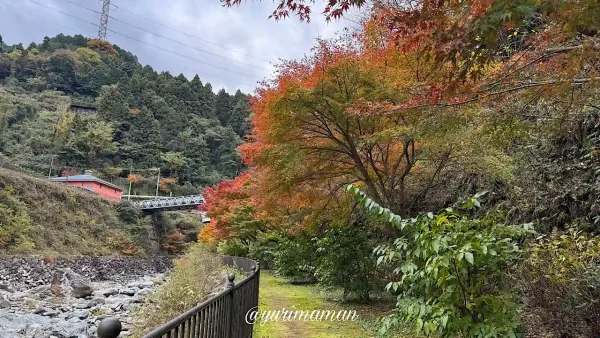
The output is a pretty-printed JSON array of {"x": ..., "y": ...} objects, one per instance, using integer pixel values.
[{"x": 104, "y": 20}]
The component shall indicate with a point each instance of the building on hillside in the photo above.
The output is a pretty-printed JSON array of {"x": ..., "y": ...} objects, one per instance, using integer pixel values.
[
  {"x": 92, "y": 183},
  {"x": 83, "y": 110}
]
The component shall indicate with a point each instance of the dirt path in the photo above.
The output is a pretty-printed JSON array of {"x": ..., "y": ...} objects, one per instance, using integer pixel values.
[{"x": 276, "y": 294}]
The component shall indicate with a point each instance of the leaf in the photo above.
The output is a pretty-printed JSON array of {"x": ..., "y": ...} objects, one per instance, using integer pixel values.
[{"x": 469, "y": 257}]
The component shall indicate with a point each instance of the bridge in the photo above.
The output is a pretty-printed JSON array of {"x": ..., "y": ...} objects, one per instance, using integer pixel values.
[{"x": 171, "y": 203}]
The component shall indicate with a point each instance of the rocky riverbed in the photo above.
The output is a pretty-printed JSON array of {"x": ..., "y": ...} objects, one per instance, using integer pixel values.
[
  {"x": 68, "y": 298},
  {"x": 40, "y": 313}
]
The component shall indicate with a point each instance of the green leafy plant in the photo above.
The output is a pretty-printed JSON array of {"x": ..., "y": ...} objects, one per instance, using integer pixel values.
[
  {"x": 346, "y": 260},
  {"x": 452, "y": 270},
  {"x": 560, "y": 285},
  {"x": 295, "y": 258}
]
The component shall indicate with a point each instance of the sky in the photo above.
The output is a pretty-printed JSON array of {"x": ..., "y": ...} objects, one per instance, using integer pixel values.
[{"x": 232, "y": 48}]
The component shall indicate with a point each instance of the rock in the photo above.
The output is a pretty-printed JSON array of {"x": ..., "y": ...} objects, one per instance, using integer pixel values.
[
  {"x": 6, "y": 287},
  {"x": 82, "y": 305},
  {"x": 109, "y": 292},
  {"x": 80, "y": 287},
  {"x": 97, "y": 301},
  {"x": 57, "y": 286},
  {"x": 50, "y": 313},
  {"x": 4, "y": 303},
  {"x": 128, "y": 292}
]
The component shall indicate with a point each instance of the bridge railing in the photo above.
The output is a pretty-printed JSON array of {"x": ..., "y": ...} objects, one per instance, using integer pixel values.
[
  {"x": 170, "y": 202},
  {"x": 221, "y": 316}
]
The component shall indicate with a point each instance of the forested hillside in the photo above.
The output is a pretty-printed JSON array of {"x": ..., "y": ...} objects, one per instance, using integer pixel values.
[{"x": 144, "y": 119}]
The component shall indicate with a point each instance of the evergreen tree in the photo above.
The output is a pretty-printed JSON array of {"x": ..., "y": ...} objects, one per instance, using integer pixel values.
[{"x": 223, "y": 107}]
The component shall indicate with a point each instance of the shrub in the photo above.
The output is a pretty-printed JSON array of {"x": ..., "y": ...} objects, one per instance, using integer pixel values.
[
  {"x": 452, "y": 271},
  {"x": 194, "y": 276},
  {"x": 263, "y": 248},
  {"x": 295, "y": 258},
  {"x": 233, "y": 247},
  {"x": 346, "y": 260},
  {"x": 561, "y": 286}
]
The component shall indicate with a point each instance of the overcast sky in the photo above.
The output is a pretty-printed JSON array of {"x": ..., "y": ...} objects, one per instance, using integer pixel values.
[{"x": 245, "y": 32}]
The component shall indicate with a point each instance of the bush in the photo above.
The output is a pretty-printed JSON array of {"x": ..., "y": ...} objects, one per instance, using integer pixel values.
[
  {"x": 296, "y": 257},
  {"x": 561, "y": 286},
  {"x": 194, "y": 276},
  {"x": 233, "y": 247},
  {"x": 263, "y": 248},
  {"x": 452, "y": 271},
  {"x": 346, "y": 260}
]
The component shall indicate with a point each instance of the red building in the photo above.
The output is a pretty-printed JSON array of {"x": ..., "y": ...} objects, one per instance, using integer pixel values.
[{"x": 91, "y": 183}]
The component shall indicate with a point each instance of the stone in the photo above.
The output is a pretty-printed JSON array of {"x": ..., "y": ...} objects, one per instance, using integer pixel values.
[
  {"x": 4, "y": 303},
  {"x": 109, "y": 292},
  {"x": 82, "y": 305},
  {"x": 50, "y": 313},
  {"x": 80, "y": 287},
  {"x": 128, "y": 292}
]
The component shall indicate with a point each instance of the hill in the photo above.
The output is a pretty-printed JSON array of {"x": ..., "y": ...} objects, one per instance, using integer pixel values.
[
  {"x": 144, "y": 119},
  {"x": 37, "y": 215}
]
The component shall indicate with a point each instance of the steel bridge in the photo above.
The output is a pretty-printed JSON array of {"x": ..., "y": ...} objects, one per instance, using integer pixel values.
[{"x": 171, "y": 203}]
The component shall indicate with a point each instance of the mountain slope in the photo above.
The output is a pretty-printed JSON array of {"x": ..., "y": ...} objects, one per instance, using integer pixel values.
[{"x": 144, "y": 120}]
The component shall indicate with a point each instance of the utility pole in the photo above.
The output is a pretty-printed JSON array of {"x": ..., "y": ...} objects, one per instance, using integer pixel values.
[
  {"x": 104, "y": 20},
  {"x": 129, "y": 179},
  {"x": 51, "y": 163},
  {"x": 157, "y": 181}
]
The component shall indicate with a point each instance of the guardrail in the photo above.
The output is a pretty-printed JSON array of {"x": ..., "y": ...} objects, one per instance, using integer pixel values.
[
  {"x": 220, "y": 316},
  {"x": 170, "y": 202}
]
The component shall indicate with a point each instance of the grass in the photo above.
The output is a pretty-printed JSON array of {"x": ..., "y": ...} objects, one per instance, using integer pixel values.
[
  {"x": 192, "y": 279},
  {"x": 41, "y": 217},
  {"x": 276, "y": 294}
]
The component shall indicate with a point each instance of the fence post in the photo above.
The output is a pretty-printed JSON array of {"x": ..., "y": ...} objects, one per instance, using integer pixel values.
[
  {"x": 109, "y": 328},
  {"x": 230, "y": 286}
]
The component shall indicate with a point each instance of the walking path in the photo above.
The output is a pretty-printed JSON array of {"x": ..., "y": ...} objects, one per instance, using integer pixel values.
[{"x": 276, "y": 294}]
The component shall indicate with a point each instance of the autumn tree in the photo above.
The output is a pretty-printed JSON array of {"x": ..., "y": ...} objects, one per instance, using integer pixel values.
[{"x": 323, "y": 124}]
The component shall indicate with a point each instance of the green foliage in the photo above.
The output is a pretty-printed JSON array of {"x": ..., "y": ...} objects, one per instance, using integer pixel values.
[
  {"x": 145, "y": 119},
  {"x": 128, "y": 212},
  {"x": 560, "y": 284},
  {"x": 346, "y": 261},
  {"x": 452, "y": 270},
  {"x": 52, "y": 218},
  {"x": 296, "y": 258},
  {"x": 233, "y": 247},
  {"x": 15, "y": 223}
]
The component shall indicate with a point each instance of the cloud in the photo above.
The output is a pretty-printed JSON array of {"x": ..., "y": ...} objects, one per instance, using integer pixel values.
[{"x": 244, "y": 29}]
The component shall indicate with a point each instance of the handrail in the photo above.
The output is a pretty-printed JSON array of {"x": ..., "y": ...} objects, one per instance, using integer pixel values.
[{"x": 221, "y": 316}]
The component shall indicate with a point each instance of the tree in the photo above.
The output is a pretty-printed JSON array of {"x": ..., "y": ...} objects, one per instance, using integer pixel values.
[
  {"x": 321, "y": 123},
  {"x": 223, "y": 107}
]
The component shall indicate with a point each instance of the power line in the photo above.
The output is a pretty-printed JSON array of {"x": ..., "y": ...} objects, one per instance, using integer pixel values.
[
  {"x": 156, "y": 58},
  {"x": 164, "y": 37},
  {"x": 104, "y": 19},
  {"x": 46, "y": 19},
  {"x": 190, "y": 35},
  {"x": 145, "y": 43}
]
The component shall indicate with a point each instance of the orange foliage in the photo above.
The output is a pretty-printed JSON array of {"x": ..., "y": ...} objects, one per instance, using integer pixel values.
[
  {"x": 133, "y": 178},
  {"x": 222, "y": 205},
  {"x": 166, "y": 183},
  {"x": 175, "y": 242},
  {"x": 103, "y": 46}
]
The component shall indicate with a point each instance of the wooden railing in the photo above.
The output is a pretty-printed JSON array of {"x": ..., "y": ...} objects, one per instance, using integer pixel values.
[{"x": 221, "y": 316}]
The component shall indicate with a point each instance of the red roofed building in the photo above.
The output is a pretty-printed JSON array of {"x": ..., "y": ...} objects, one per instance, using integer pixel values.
[{"x": 92, "y": 183}]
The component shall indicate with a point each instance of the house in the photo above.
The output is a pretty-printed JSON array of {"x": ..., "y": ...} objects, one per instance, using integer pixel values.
[
  {"x": 92, "y": 183},
  {"x": 83, "y": 110}
]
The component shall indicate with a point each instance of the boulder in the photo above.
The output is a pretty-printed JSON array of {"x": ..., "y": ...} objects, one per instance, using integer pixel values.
[
  {"x": 4, "y": 303},
  {"x": 80, "y": 286},
  {"x": 66, "y": 282}
]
